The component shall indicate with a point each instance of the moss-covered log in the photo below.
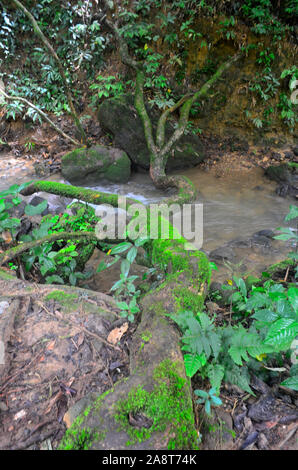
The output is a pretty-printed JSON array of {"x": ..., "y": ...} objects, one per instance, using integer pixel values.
[
  {"x": 152, "y": 408},
  {"x": 75, "y": 192}
]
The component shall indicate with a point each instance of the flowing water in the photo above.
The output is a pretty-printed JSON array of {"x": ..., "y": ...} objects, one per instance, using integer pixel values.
[{"x": 236, "y": 205}]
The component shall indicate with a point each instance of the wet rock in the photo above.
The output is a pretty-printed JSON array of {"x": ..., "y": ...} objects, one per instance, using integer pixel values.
[
  {"x": 42, "y": 169},
  {"x": 261, "y": 240},
  {"x": 119, "y": 116},
  {"x": 15, "y": 210},
  {"x": 295, "y": 151},
  {"x": 264, "y": 233},
  {"x": 92, "y": 165},
  {"x": 287, "y": 178},
  {"x": 224, "y": 253},
  {"x": 24, "y": 228},
  {"x": 240, "y": 243},
  {"x": 36, "y": 200}
]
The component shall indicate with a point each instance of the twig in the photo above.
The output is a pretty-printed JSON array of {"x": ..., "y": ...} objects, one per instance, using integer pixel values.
[
  {"x": 39, "y": 111},
  {"x": 287, "y": 273},
  {"x": 35, "y": 439},
  {"x": 291, "y": 433},
  {"x": 82, "y": 328}
]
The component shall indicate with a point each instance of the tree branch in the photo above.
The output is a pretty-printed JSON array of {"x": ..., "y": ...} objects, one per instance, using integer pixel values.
[
  {"x": 184, "y": 113},
  {"x": 39, "y": 111},
  {"x": 22, "y": 247},
  {"x": 141, "y": 108},
  {"x": 76, "y": 192},
  {"x": 160, "y": 132}
]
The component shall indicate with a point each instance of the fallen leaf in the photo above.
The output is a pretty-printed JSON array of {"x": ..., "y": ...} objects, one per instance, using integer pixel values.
[
  {"x": 51, "y": 345},
  {"x": 116, "y": 334}
]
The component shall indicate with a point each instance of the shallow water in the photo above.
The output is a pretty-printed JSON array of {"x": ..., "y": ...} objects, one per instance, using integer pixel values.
[
  {"x": 236, "y": 205},
  {"x": 232, "y": 206}
]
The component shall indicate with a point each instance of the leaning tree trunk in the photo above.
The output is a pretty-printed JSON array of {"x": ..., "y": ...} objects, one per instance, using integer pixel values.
[{"x": 159, "y": 149}]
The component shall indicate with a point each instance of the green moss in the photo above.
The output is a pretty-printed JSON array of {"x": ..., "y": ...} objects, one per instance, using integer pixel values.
[
  {"x": 6, "y": 276},
  {"x": 77, "y": 192},
  {"x": 96, "y": 162},
  {"x": 172, "y": 252},
  {"x": 168, "y": 406},
  {"x": 68, "y": 301},
  {"x": 282, "y": 266},
  {"x": 77, "y": 437},
  {"x": 186, "y": 299},
  {"x": 146, "y": 336}
]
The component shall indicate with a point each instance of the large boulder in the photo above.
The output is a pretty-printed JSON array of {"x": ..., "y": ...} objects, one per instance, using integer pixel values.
[
  {"x": 94, "y": 164},
  {"x": 119, "y": 117},
  {"x": 286, "y": 175}
]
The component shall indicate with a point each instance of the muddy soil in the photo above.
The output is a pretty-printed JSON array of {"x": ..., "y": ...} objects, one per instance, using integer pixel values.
[{"x": 62, "y": 344}]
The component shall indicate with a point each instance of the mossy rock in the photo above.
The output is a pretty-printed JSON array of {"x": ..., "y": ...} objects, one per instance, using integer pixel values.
[
  {"x": 119, "y": 117},
  {"x": 287, "y": 178},
  {"x": 96, "y": 164}
]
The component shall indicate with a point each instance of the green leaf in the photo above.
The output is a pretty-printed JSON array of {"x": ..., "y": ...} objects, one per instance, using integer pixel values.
[
  {"x": 102, "y": 265},
  {"x": 202, "y": 394},
  {"x": 125, "y": 267},
  {"x": 293, "y": 297},
  {"x": 216, "y": 401},
  {"x": 265, "y": 315},
  {"x": 213, "y": 266},
  {"x": 282, "y": 333},
  {"x": 141, "y": 241},
  {"x": 292, "y": 214},
  {"x": 241, "y": 285},
  {"x": 208, "y": 407},
  {"x": 291, "y": 382},
  {"x": 73, "y": 279},
  {"x": 120, "y": 248},
  {"x": 54, "y": 279},
  {"x": 122, "y": 305},
  {"x": 131, "y": 255},
  {"x": 215, "y": 373},
  {"x": 194, "y": 362}
]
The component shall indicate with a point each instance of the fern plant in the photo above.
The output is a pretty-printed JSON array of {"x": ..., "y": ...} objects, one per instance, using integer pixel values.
[
  {"x": 226, "y": 353},
  {"x": 218, "y": 352}
]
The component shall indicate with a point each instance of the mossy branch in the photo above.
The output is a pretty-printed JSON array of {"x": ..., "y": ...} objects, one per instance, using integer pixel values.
[
  {"x": 39, "y": 111},
  {"x": 53, "y": 53},
  {"x": 75, "y": 192},
  {"x": 141, "y": 108},
  {"x": 15, "y": 251}
]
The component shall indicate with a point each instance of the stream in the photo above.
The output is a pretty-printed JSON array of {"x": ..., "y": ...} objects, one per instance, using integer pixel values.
[{"x": 235, "y": 207}]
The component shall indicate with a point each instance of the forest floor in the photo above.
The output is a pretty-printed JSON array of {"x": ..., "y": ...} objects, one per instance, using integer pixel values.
[{"x": 33, "y": 406}]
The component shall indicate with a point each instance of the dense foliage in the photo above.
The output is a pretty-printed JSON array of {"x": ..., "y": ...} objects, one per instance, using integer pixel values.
[{"x": 159, "y": 32}]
